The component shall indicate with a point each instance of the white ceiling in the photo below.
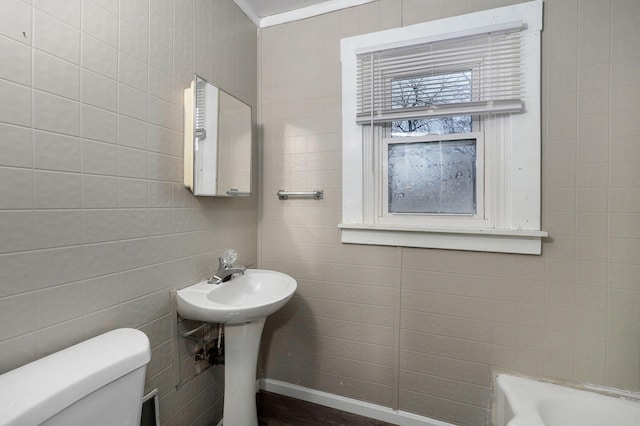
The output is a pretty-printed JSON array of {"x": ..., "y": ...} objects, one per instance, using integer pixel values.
[{"x": 265, "y": 13}]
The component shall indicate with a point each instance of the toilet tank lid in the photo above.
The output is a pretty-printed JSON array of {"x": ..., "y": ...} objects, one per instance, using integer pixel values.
[{"x": 36, "y": 391}]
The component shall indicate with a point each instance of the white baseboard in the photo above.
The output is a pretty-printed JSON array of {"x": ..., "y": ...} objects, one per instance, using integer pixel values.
[{"x": 350, "y": 405}]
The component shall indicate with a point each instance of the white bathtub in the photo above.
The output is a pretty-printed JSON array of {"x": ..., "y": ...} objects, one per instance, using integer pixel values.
[{"x": 526, "y": 402}]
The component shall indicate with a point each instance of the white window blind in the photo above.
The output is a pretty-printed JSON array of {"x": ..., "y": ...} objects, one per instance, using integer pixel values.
[{"x": 475, "y": 74}]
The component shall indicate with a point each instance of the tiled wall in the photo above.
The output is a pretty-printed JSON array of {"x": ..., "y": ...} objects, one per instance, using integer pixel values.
[
  {"x": 422, "y": 330},
  {"x": 95, "y": 225}
]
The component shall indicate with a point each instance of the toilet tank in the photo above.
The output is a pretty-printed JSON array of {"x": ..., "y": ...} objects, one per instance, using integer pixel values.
[{"x": 97, "y": 382}]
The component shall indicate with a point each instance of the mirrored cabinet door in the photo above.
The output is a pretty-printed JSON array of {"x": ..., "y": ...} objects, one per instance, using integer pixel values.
[{"x": 218, "y": 140}]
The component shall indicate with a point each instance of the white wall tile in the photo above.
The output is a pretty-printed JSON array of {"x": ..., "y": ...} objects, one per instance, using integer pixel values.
[
  {"x": 160, "y": 194},
  {"x": 161, "y": 275},
  {"x": 623, "y": 71},
  {"x": 182, "y": 220},
  {"x": 100, "y": 23},
  {"x": 111, "y": 6},
  {"x": 161, "y": 57},
  {"x": 159, "y": 139},
  {"x": 624, "y": 29},
  {"x": 132, "y": 102},
  {"x": 136, "y": 13},
  {"x": 183, "y": 62},
  {"x": 16, "y": 192},
  {"x": 132, "y": 132},
  {"x": 595, "y": 76},
  {"x": 133, "y": 253},
  {"x": 57, "y": 228},
  {"x": 624, "y": 250},
  {"x": 132, "y": 192},
  {"x": 99, "y": 158},
  {"x": 160, "y": 112},
  {"x": 159, "y": 219},
  {"x": 59, "y": 336},
  {"x": 18, "y": 351},
  {"x": 99, "y": 192},
  {"x": 15, "y": 103},
  {"x": 624, "y": 98},
  {"x": 17, "y": 273},
  {"x": 18, "y": 69},
  {"x": 99, "y": 124},
  {"x": 57, "y": 304},
  {"x": 134, "y": 283},
  {"x": 101, "y": 292},
  {"x": 99, "y": 91},
  {"x": 132, "y": 162},
  {"x": 624, "y": 123},
  {"x": 53, "y": 151},
  {"x": 57, "y": 190},
  {"x": 132, "y": 72},
  {"x": 56, "y": 114},
  {"x": 625, "y": 175},
  {"x": 57, "y": 266},
  {"x": 18, "y": 315},
  {"x": 101, "y": 321},
  {"x": 592, "y": 249},
  {"x": 202, "y": 29},
  {"x": 16, "y": 228},
  {"x": 133, "y": 42},
  {"x": 134, "y": 313},
  {"x": 56, "y": 76},
  {"x": 624, "y": 225},
  {"x": 99, "y": 57},
  {"x": 67, "y": 11},
  {"x": 99, "y": 225},
  {"x": 160, "y": 249},
  {"x": 133, "y": 223},
  {"x": 16, "y": 146},
  {"x": 160, "y": 167},
  {"x": 160, "y": 85},
  {"x": 15, "y": 21},
  {"x": 100, "y": 259},
  {"x": 161, "y": 27},
  {"x": 56, "y": 37}
]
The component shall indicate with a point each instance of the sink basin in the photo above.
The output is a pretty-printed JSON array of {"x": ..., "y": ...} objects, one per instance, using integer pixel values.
[{"x": 249, "y": 297}]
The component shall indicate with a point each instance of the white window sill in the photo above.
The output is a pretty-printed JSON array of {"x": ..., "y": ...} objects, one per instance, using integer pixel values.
[{"x": 490, "y": 240}]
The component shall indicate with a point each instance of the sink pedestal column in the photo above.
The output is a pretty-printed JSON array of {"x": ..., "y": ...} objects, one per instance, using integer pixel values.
[{"x": 241, "y": 346}]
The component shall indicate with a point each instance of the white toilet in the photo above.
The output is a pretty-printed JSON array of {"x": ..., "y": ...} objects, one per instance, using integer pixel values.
[{"x": 96, "y": 382}]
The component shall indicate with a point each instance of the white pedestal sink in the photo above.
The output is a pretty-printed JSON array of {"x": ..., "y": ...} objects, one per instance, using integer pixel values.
[{"x": 242, "y": 304}]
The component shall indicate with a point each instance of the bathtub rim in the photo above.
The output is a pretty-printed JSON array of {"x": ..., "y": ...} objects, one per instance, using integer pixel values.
[{"x": 505, "y": 400}]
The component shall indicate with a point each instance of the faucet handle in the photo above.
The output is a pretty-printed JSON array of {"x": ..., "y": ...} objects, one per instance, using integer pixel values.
[{"x": 228, "y": 258}]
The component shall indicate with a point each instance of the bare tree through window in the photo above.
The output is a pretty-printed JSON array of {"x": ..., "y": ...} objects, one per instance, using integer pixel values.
[{"x": 431, "y": 90}]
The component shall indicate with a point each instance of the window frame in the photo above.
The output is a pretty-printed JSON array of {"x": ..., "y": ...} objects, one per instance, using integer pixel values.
[{"x": 512, "y": 155}]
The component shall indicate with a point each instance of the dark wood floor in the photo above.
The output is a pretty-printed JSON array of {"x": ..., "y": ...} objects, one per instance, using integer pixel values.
[{"x": 279, "y": 410}]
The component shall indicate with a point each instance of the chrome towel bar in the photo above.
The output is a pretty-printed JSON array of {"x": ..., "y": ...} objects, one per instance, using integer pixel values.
[{"x": 316, "y": 194}]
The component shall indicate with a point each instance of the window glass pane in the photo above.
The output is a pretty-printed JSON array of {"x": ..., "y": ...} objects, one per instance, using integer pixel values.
[
  {"x": 431, "y": 126},
  {"x": 433, "y": 177},
  {"x": 424, "y": 91}
]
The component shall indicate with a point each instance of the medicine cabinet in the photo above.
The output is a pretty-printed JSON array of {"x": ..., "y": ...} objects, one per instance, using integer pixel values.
[{"x": 217, "y": 142}]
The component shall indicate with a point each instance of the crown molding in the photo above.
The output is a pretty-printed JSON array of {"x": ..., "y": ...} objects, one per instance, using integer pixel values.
[
  {"x": 297, "y": 14},
  {"x": 248, "y": 10}
]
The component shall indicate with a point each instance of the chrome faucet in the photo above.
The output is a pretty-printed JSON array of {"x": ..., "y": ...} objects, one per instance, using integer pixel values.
[{"x": 226, "y": 270}]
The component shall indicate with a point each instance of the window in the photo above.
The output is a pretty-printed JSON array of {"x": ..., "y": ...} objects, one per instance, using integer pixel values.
[
  {"x": 431, "y": 177},
  {"x": 441, "y": 133}
]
